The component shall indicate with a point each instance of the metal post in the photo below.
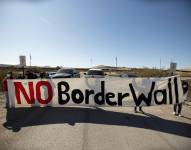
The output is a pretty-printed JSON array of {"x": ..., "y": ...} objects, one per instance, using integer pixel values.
[
  {"x": 116, "y": 61},
  {"x": 23, "y": 69}
]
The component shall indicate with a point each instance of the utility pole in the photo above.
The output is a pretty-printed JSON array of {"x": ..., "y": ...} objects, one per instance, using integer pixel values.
[
  {"x": 160, "y": 63},
  {"x": 91, "y": 62},
  {"x": 30, "y": 59},
  {"x": 116, "y": 61}
]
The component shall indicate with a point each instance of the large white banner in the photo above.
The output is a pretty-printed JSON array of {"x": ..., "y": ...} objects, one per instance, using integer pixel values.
[{"x": 109, "y": 91}]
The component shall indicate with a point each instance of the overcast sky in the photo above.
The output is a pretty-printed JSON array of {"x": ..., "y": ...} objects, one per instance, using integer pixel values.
[{"x": 72, "y": 32}]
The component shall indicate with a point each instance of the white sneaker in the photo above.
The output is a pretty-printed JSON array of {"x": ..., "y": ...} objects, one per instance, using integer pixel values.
[
  {"x": 179, "y": 115},
  {"x": 174, "y": 113}
]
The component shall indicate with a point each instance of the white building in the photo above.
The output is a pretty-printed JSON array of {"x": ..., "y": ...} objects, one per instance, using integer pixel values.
[{"x": 22, "y": 60}]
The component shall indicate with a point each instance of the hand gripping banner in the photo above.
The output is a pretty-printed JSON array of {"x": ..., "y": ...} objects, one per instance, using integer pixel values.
[{"x": 109, "y": 91}]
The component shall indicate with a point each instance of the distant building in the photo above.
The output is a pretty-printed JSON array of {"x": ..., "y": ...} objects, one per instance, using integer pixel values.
[{"x": 22, "y": 60}]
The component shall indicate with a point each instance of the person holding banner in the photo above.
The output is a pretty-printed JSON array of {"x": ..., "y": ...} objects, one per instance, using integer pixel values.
[
  {"x": 5, "y": 87},
  {"x": 179, "y": 105}
]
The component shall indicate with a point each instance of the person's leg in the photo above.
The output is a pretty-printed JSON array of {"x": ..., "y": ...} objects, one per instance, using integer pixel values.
[
  {"x": 179, "y": 109},
  {"x": 7, "y": 100},
  {"x": 140, "y": 109},
  {"x": 135, "y": 109},
  {"x": 174, "y": 108}
]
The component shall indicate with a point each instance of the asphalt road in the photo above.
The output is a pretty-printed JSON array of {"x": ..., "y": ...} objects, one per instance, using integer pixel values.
[{"x": 78, "y": 128}]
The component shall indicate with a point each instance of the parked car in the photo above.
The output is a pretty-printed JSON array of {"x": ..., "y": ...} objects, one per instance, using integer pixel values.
[
  {"x": 66, "y": 73},
  {"x": 128, "y": 75},
  {"x": 31, "y": 75},
  {"x": 49, "y": 74},
  {"x": 95, "y": 73}
]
